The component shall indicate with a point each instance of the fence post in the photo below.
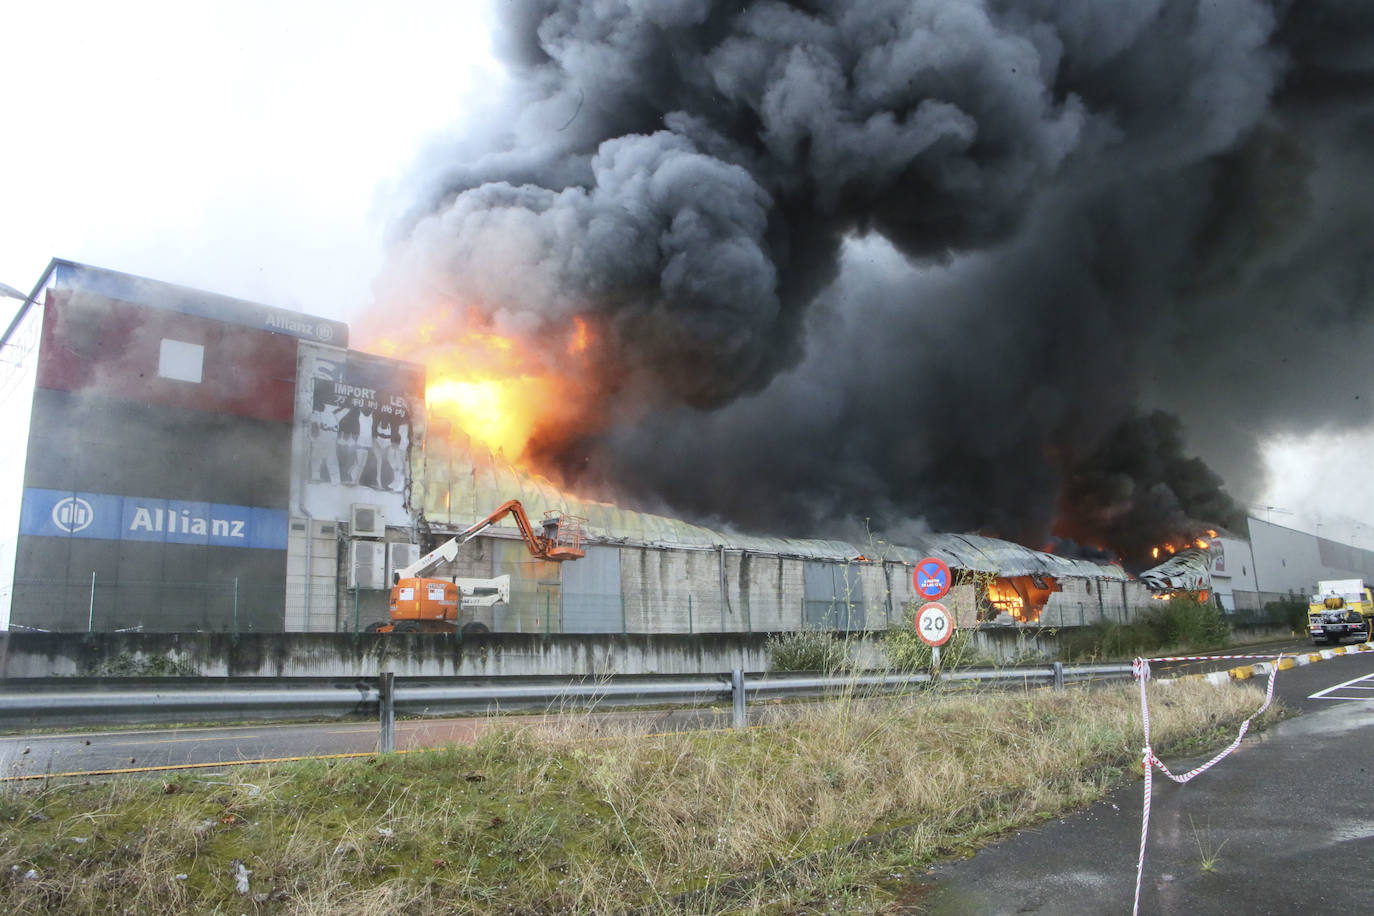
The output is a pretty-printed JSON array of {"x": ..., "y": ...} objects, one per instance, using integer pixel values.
[
  {"x": 740, "y": 719},
  {"x": 1058, "y": 675},
  {"x": 355, "y": 611},
  {"x": 90, "y": 619},
  {"x": 386, "y": 702},
  {"x": 624, "y": 618},
  {"x": 690, "y": 631}
]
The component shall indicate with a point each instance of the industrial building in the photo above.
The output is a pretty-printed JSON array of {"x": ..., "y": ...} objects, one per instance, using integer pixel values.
[
  {"x": 200, "y": 463},
  {"x": 181, "y": 451}
]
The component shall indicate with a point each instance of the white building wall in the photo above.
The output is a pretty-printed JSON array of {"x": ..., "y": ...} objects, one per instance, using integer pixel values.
[
  {"x": 1290, "y": 561},
  {"x": 1233, "y": 575}
]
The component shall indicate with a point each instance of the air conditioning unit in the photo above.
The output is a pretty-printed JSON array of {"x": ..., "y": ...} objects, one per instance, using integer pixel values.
[
  {"x": 367, "y": 565},
  {"x": 399, "y": 556},
  {"x": 367, "y": 521}
]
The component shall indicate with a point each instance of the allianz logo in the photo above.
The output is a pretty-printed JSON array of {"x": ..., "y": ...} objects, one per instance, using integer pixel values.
[
  {"x": 73, "y": 514},
  {"x": 184, "y": 522},
  {"x": 321, "y": 331}
]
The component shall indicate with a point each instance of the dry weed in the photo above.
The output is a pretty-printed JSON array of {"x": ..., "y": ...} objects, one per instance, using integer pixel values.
[{"x": 585, "y": 817}]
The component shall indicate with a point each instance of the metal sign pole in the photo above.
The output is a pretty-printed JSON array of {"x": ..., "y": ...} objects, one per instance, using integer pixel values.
[
  {"x": 386, "y": 696},
  {"x": 739, "y": 717},
  {"x": 90, "y": 620},
  {"x": 934, "y": 663}
]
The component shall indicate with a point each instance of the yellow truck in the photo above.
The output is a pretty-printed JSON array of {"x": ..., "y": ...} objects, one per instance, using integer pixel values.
[{"x": 1341, "y": 609}]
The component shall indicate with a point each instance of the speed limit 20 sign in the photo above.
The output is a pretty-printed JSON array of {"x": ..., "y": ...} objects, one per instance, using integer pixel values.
[{"x": 934, "y": 624}]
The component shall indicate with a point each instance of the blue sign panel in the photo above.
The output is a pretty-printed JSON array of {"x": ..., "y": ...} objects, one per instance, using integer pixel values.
[
  {"x": 101, "y": 516},
  {"x": 931, "y": 578}
]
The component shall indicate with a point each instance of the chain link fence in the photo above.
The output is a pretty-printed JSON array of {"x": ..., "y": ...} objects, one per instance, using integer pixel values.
[{"x": 96, "y": 604}]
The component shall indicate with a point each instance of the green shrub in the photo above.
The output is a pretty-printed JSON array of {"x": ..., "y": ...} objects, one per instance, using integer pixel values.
[
  {"x": 1287, "y": 612},
  {"x": 808, "y": 650},
  {"x": 1178, "y": 624},
  {"x": 1188, "y": 623},
  {"x": 1108, "y": 641},
  {"x": 908, "y": 652}
]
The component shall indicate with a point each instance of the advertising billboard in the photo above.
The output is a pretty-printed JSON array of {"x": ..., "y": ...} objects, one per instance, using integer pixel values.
[
  {"x": 108, "y": 517},
  {"x": 358, "y": 418}
]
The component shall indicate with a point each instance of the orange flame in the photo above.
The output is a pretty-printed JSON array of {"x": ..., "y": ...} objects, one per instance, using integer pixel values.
[
  {"x": 1003, "y": 597},
  {"x": 581, "y": 338},
  {"x": 499, "y": 388}
]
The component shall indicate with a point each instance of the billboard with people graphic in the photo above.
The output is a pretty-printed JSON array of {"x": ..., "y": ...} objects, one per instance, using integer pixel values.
[{"x": 358, "y": 418}]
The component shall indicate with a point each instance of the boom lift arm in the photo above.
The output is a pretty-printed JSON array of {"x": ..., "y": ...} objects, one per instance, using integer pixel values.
[{"x": 560, "y": 538}]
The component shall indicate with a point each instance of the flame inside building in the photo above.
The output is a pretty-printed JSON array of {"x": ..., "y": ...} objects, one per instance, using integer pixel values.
[
  {"x": 1023, "y": 597},
  {"x": 501, "y": 388}
]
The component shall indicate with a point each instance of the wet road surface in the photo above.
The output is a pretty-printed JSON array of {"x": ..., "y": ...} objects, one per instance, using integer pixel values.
[{"x": 1284, "y": 825}]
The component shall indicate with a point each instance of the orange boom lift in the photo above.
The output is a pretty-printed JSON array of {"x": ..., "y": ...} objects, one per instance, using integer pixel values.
[{"x": 420, "y": 604}]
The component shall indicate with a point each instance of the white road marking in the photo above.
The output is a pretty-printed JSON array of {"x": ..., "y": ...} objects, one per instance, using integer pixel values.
[{"x": 1349, "y": 685}]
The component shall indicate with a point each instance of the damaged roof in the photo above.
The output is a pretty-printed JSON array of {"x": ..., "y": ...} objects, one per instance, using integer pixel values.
[
  {"x": 461, "y": 482},
  {"x": 1189, "y": 569}
]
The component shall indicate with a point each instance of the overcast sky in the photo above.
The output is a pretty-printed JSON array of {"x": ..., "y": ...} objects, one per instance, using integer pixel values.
[
  {"x": 254, "y": 149},
  {"x": 246, "y": 148}
]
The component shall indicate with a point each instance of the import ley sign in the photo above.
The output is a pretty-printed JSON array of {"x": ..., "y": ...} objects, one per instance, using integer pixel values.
[{"x": 104, "y": 516}]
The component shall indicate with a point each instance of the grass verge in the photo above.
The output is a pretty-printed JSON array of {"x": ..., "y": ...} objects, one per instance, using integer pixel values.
[{"x": 533, "y": 821}]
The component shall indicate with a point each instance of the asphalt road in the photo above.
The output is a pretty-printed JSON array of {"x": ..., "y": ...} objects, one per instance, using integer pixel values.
[{"x": 1288, "y": 820}]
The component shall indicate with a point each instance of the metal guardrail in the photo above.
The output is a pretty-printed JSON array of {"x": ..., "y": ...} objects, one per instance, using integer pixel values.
[{"x": 109, "y": 700}]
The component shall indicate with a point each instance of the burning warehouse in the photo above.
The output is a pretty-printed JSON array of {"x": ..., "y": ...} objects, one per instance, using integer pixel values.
[
  {"x": 201, "y": 463},
  {"x": 196, "y": 462}
]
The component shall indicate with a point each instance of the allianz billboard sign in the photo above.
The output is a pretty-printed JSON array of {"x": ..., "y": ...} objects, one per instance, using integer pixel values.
[{"x": 104, "y": 516}]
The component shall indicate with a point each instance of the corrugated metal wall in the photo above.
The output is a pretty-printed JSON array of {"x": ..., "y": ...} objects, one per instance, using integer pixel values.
[
  {"x": 535, "y": 590},
  {"x": 834, "y": 596},
  {"x": 591, "y": 593}
]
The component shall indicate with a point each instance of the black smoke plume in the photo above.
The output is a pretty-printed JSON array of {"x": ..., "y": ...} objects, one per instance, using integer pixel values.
[{"x": 925, "y": 263}]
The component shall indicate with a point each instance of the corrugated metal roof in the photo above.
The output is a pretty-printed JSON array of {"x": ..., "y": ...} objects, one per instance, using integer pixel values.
[
  {"x": 462, "y": 482},
  {"x": 1188, "y": 569}
]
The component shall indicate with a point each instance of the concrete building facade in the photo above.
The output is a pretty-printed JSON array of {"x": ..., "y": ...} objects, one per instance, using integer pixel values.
[{"x": 158, "y": 473}]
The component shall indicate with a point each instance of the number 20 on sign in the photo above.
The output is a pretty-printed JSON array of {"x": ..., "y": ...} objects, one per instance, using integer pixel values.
[{"x": 934, "y": 624}]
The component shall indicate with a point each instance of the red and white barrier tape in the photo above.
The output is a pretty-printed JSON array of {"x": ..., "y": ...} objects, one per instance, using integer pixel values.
[
  {"x": 1202, "y": 658},
  {"x": 1141, "y": 670}
]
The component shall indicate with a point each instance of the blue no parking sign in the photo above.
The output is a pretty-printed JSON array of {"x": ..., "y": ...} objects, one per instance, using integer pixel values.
[{"x": 931, "y": 578}]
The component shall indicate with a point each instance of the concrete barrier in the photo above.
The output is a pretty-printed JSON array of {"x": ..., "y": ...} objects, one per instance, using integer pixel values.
[
  {"x": 26, "y": 655},
  {"x": 32, "y": 654}
]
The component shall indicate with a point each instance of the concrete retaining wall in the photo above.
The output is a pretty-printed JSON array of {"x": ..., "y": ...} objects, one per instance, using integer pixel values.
[
  {"x": 342, "y": 655},
  {"x": 25, "y": 655}
]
